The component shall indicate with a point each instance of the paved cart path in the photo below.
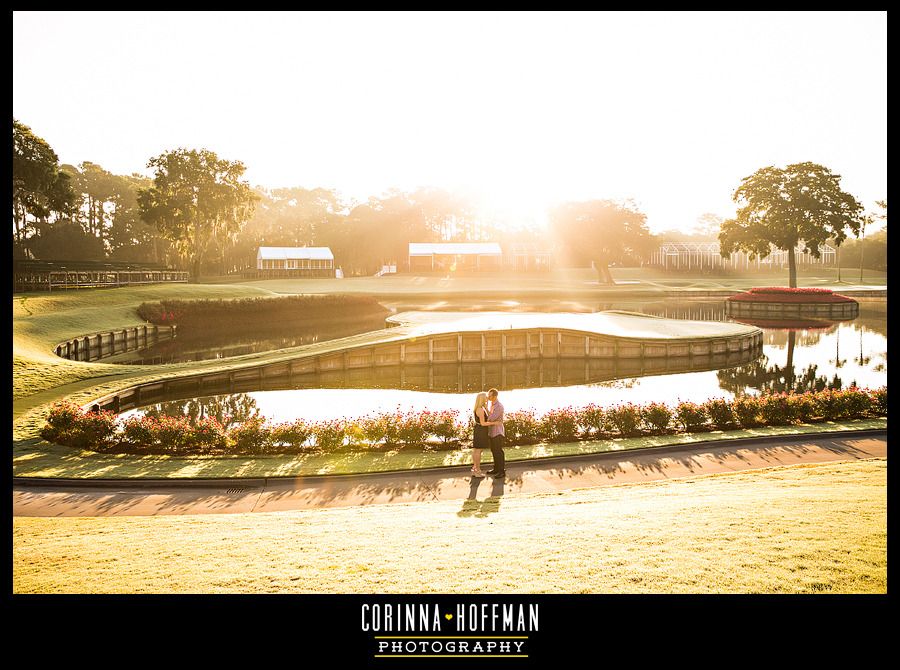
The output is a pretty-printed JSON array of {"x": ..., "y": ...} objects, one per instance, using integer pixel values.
[{"x": 271, "y": 495}]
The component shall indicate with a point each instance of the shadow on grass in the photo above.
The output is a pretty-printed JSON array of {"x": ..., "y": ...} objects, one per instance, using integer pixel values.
[
  {"x": 34, "y": 457},
  {"x": 472, "y": 507},
  {"x": 451, "y": 484}
]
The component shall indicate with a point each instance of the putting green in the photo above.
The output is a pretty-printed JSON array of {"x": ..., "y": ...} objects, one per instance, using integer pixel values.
[{"x": 611, "y": 323}]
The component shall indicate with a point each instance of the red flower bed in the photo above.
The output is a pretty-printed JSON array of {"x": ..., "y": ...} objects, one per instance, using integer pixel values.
[
  {"x": 788, "y": 289},
  {"x": 784, "y": 294},
  {"x": 69, "y": 425}
]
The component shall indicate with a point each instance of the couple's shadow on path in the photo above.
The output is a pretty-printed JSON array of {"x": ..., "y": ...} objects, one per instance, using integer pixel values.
[{"x": 481, "y": 508}]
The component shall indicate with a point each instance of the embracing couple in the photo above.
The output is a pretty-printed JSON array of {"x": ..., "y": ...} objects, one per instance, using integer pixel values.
[{"x": 488, "y": 434}]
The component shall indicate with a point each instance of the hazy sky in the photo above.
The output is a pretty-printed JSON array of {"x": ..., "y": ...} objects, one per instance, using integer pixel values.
[{"x": 671, "y": 110}]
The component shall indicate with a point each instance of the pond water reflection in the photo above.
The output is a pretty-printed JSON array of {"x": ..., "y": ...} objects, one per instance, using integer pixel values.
[
  {"x": 832, "y": 355},
  {"x": 228, "y": 410}
]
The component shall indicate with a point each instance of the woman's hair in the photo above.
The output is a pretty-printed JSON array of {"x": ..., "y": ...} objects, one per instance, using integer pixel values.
[{"x": 480, "y": 401}]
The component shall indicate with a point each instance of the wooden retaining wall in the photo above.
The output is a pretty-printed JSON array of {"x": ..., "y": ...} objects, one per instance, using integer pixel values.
[
  {"x": 837, "y": 311},
  {"x": 456, "y": 350},
  {"x": 103, "y": 345}
]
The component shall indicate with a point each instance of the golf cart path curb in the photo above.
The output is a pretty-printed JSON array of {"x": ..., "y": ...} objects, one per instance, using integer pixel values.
[{"x": 448, "y": 469}]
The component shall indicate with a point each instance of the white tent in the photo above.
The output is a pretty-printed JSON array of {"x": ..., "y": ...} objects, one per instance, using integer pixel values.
[
  {"x": 294, "y": 258},
  {"x": 454, "y": 249},
  {"x": 454, "y": 254}
]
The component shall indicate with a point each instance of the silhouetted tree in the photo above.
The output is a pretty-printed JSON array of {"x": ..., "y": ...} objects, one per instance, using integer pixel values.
[
  {"x": 197, "y": 201},
  {"x": 602, "y": 231},
  {"x": 785, "y": 206},
  {"x": 38, "y": 187},
  {"x": 873, "y": 258},
  {"x": 106, "y": 207},
  {"x": 64, "y": 241},
  {"x": 130, "y": 237},
  {"x": 867, "y": 219}
]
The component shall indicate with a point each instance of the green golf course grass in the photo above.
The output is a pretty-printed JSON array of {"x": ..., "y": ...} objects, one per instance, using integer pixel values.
[
  {"x": 799, "y": 529},
  {"x": 573, "y": 282},
  {"x": 42, "y": 320}
]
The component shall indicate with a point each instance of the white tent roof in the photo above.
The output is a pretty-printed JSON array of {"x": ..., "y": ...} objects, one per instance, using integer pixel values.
[
  {"x": 294, "y": 253},
  {"x": 455, "y": 248}
]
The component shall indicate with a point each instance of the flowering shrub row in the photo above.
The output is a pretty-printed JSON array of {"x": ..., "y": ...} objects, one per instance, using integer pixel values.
[
  {"x": 788, "y": 289},
  {"x": 67, "y": 424},
  {"x": 629, "y": 419}
]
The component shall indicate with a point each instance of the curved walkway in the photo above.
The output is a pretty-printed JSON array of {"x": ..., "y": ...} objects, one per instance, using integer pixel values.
[{"x": 122, "y": 498}]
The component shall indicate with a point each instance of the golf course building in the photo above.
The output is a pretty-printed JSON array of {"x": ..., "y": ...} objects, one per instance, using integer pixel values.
[
  {"x": 294, "y": 262},
  {"x": 454, "y": 256},
  {"x": 476, "y": 256},
  {"x": 690, "y": 256}
]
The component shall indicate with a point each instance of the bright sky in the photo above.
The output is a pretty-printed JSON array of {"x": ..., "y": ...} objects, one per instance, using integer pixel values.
[{"x": 525, "y": 109}]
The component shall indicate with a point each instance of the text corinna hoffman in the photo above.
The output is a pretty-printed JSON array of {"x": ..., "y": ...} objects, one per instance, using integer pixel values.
[{"x": 433, "y": 618}]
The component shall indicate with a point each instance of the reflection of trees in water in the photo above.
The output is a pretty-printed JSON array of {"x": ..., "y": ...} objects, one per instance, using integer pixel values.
[
  {"x": 774, "y": 378},
  {"x": 779, "y": 337},
  {"x": 837, "y": 361},
  {"x": 226, "y": 409},
  {"x": 761, "y": 376},
  {"x": 872, "y": 317},
  {"x": 628, "y": 383},
  {"x": 710, "y": 310}
]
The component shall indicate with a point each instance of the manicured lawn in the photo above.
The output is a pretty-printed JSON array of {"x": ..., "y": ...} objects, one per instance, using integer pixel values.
[
  {"x": 51, "y": 460},
  {"x": 797, "y": 529},
  {"x": 806, "y": 277},
  {"x": 561, "y": 283},
  {"x": 42, "y": 320}
]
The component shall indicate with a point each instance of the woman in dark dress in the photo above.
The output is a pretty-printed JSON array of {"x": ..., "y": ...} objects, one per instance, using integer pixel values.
[{"x": 480, "y": 436}]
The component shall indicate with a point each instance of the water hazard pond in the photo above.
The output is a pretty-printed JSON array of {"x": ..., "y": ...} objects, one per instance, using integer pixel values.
[{"x": 808, "y": 356}]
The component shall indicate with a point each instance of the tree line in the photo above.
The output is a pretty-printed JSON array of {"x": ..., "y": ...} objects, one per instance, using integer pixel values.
[{"x": 198, "y": 213}]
